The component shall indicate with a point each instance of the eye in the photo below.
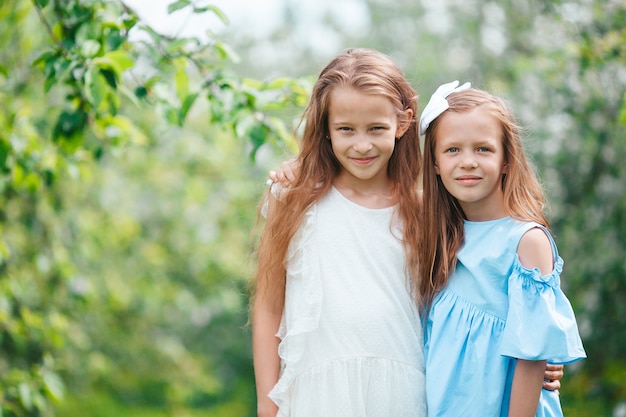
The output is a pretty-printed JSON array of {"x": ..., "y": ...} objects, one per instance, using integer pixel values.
[
  {"x": 483, "y": 149},
  {"x": 452, "y": 150},
  {"x": 344, "y": 129}
]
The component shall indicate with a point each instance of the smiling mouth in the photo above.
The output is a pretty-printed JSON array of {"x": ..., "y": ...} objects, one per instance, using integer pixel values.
[{"x": 363, "y": 161}]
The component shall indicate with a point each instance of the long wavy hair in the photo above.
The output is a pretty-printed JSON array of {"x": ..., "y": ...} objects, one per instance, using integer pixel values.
[
  {"x": 443, "y": 233},
  {"x": 370, "y": 72}
]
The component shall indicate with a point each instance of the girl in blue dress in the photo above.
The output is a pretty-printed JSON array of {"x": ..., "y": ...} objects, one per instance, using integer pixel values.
[{"x": 489, "y": 266}]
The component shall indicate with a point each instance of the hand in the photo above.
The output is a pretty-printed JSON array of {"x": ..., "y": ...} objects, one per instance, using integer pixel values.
[
  {"x": 552, "y": 377},
  {"x": 287, "y": 173}
]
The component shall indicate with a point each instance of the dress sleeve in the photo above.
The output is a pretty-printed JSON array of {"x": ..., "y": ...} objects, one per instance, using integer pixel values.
[{"x": 540, "y": 324}]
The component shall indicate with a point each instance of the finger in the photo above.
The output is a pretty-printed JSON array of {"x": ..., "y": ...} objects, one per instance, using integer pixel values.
[
  {"x": 273, "y": 176},
  {"x": 552, "y": 385},
  {"x": 279, "y": 175},
  {"x": 282, "y": 177},
  {"x": 290, "y": 176},
  {"x": 286, "y": 173},
  {"x": 553, "y": 375}
]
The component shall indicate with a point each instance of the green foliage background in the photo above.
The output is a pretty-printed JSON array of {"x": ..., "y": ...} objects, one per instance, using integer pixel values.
[{"x": 131, "y": 167}]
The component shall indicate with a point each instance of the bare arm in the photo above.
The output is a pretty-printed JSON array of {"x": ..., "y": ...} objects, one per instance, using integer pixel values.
[
  {"x": 534, "y": 251},
  {"x": 526, "y": 388},
  {"x": 265, "y": 324},
  {"x": 266, "y": 318}
]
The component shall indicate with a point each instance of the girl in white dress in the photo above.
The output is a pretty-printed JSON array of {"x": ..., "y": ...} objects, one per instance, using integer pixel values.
[{"x": 336, "y": 331}]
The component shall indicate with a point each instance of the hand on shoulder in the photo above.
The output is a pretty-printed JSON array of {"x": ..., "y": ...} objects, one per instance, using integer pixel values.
[{"x": 287, "y": 173}]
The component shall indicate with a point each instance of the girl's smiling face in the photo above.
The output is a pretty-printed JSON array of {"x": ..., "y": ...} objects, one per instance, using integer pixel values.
[
  {"x": 469, "y": 158},
  {"x": 363, "y": 131}
]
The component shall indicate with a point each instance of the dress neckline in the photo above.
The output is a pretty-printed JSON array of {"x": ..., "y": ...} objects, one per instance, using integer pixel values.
[
  {"x": 339, "y": 194},
  {"x": 487, "y": 222}
]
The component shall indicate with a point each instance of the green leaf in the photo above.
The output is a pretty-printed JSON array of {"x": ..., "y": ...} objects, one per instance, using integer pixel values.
[
  {"x": 56, "y": 68},
  {"x": 172, "y": 116},
  {"x": 280, "y": 82},
  {"x": 69, "y": 124},
  {"x": 49, "y": 82},
  {"x": 141, "y": 91},
  {"x": 156, "y": 36},
  {"x": 42, "y": 4},
  {"x": 54, "y": 385},
  {"x": 181, "y": 78},
  {"x": 129, "y": 21},
  {"x": 119, "y": 130},
  {"x": 187, "y": 104},
  {"x": 226, "y": 52},
  {"x": 118, "y": 61},
  {"x": 25, "y": 395},
  {"x": 213, "y": 9},
  {"x": 177, "y": 46},
  {"x": 5, "y": 149},
  {"x": 258, "y": 137},
  {"x": 95, "y": 86},
  {"x": 110, "y": 77},
  {"x": 90, "y": 48},
  {"x": 180, "y": 4},
  {"x": 114, "y": 39},
  {"x": 44, "y": 57},
  {"x": 244, "y": 125}
]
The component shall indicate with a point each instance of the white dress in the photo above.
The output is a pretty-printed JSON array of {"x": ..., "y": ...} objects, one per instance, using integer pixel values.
[{"x": 351, "y": 338}]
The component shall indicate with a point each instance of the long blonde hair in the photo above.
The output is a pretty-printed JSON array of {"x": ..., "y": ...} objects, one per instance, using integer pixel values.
[
  {"x": 366, "y": 71},
  {"x": 443, "y": 233}
]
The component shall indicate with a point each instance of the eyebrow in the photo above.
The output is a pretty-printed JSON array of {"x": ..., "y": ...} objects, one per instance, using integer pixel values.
[{"x": 373, "y": 123}]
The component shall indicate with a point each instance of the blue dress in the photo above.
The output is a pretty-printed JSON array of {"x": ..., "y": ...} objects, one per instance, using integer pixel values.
[{"x": 492, "y": 311}]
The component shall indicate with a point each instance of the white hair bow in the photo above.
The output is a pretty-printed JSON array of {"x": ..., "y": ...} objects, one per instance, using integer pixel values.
[{"x": 438, "y": 103}]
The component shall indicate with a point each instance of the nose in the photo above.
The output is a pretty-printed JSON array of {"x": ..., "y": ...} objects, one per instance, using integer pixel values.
[
  {"x": 362, "y": 145},
  {"x": 469, "y": 161}
]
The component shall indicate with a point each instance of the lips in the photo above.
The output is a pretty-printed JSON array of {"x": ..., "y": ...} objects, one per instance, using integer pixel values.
[
  {"x": 363, "y": 161},
  {"x": 468, "y": 179}
]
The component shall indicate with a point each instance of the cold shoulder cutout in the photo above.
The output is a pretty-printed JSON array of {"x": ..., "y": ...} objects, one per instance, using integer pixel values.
[{"x": 540, "y": 322}]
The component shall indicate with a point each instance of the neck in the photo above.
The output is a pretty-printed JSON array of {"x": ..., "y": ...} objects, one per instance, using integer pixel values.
[
  {"x": 376, "y": 196},
  {"x": 484, "y": 212}
]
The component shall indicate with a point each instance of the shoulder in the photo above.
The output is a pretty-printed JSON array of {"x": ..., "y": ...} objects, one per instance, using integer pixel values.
[{"x": 535, "y": 250}]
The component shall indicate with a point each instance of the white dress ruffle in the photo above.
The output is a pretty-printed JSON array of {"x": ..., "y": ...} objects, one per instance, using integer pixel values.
[{"x": 351, "y": 338}]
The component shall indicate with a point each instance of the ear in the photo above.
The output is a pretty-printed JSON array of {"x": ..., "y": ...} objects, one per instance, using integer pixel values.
[
  {"x": 404, "y": 122},
  {"x": 505, "y": 168},
  {"x": 437, "y": 168}
]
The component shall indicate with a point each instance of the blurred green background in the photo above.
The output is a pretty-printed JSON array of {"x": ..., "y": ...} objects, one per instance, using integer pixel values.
[{"x": 134, "y": 146}]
